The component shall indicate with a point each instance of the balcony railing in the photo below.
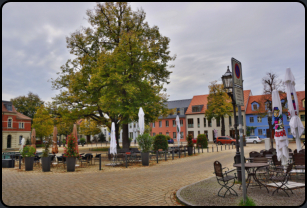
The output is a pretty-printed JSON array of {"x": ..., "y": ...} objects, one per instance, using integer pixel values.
[{"x": 190, "y": 125}]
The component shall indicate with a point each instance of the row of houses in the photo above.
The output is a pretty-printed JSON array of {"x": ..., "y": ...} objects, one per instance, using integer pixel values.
[{"x": 191, "y": 114}]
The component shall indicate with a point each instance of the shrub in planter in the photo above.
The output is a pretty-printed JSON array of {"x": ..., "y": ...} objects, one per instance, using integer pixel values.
[
  {"x": 160, "y": 142},
  {"x": 82, "y": 141},
  {"x": 70, "y": 152},
  {"x": 202, "y": 140},
  {"x": 46, "y": 160},
  {"x": 190, "y": 144},
  {"x": 145, "y": 142},
  {"x": 28, "y": 153}
]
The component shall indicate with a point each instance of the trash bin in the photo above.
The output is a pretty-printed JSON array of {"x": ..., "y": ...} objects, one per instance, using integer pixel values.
[{"x": 267, "y": 143}]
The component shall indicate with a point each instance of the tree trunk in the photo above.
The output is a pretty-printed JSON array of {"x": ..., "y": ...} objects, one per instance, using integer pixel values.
[
  {"x": 125, "y": 139},
  {"x": 117, "y": 134},
  {"x": 223, "y": 126}
]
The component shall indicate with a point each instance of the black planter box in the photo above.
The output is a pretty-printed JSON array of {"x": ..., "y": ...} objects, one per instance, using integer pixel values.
[
  {"x": 29, "y": 161},
  {"x": 46, "y": 162},
  {"x": 70, "y": 164},
  {"x": 190, "y": 150},
  {"x": 8, "y": 163},
  {"x": 145, "y": 158}
]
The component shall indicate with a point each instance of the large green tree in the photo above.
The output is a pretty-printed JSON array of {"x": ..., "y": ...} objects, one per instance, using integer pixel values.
[
  {"x": 27, "y": 104},
  {"x": 43, "y": 122},
  {"x": 121, "y": 65},
  {"x": 219, "y": 104}
]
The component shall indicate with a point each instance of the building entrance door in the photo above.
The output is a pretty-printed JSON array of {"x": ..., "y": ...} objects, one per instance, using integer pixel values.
[{"x": 9, "y": 141}]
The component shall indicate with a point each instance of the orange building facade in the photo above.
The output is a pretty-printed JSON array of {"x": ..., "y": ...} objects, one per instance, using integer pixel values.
[
  {"x": 15, "y": 126},
  {"x": 167, "y": 126}
]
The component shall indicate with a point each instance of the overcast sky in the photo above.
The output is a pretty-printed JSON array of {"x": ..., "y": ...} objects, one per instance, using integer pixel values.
[{"x": 264, "y": 37}]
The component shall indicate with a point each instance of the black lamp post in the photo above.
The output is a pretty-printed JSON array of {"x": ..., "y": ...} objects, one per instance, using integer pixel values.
[
  {"x": 270, "y": 114},
  {"x": 228, "y": 86}
]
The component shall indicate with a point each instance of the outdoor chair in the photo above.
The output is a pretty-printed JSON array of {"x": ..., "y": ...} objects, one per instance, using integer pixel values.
[
  {"x": 254, "y": 154},
  {"x": 85, "y": 159},
  {"x": 282, "y": 180},
  {"x": 277, "y": 167},
  {"x": 62, "y": 160},
  {"x": 299, "y": 163},
  {"x": 273, "y": 151},
  {"x": 302, "y": 151},
  {"x": 36, "y": 159},
  {"x": 52, "y": 160},
  {"x": 261, "y": 172},
  {"x": 223, "y": 179},
  {"x": 96, "y": 158},
  {"x": 295, "y": 151}
]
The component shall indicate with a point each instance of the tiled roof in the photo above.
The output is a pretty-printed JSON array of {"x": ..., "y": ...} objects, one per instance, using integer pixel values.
[
  {"x": 202, "y": 100},
  {"x": 260, "y": 99},
  {"x": 178, "y": 103},
  {"x": 19, "y": 115}
]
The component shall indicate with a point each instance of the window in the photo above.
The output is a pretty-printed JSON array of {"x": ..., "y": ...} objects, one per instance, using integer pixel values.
[
  {"x": 9, "y": 123},
  {"x": 302, "y": 117},
  {"x": 181, "y": 111},
  {"x": 196, "y": 108},
  {"x": 259, "y": 131},
  {"x": 210, "y": 123},
  {"x": 255, "y": 106},
  {"x": 181, "y": 135},
  {"x": 134, "y": 125},
  {"x": 160, "y": 132},
  {"x": 153, "y": 134},
  {"x": 259, "y": 119},
  {"x": 289, "y": 131},
  {"x": 190, "y": 123},
  {"x": 166, "y": 123},
  {"x": 204, "y": 122},
  {"x": 174, "y": 123},
  {"x": 252, "y": 131},
  {"x": 181, "y": 122},
  {"x": 131, "y": 135},
  {"x": 230, "y": 124},
  {"x": 251, "y": 119},
  {"x": 174, "y": 135},
  {"x": 198, "y": 122},
  {"x": 153, "y": 125},
  {"x": 218, "y": 122},
  {"x": 130, "y": 126},
  {"x": 167, "y": 133},
  {"x": 21, "y": 125},
  {"x": 160, "y": 123},
  {"x": 8, "y": 106}
]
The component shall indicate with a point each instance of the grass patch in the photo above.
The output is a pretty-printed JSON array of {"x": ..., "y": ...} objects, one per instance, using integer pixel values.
[{"x": 248, "y": 202}]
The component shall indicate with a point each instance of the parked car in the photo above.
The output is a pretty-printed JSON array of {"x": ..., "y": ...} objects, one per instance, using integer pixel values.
[
  {"x": 225, "y": 140},
  {"x": 253, "y": 139},
  {"x": 194, "y": 140},
  {"x": 170, "y": 141}
]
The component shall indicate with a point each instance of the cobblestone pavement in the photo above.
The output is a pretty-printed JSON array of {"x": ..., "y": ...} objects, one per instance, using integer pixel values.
[{"x": 135, "y": 185}]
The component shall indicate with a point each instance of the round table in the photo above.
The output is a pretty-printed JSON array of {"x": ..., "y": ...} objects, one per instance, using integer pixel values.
[{"x": 251, "y": 169}]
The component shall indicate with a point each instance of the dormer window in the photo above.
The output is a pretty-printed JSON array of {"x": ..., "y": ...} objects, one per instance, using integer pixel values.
[
  {"x": 196, "y": 108},
  {"x": 255, "y": 106},
  {"x": 303, "y": 102}
]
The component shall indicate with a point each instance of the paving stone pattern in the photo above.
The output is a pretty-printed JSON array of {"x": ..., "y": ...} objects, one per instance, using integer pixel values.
[{"x": 133, "y": 186}]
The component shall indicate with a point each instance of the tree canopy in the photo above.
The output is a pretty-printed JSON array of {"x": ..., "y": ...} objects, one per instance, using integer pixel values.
[
  {"x": 43, "y": 122},
  {"x": 89, "y": 127},
  {"x": 120, "y": 66},
  {"x": 219, "y": 104},
  {"x": 27, "y": 104}
]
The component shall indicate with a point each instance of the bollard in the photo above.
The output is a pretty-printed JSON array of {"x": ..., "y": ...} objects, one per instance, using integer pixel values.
[
  {"x": 179, "y": 152},
  {"x": 165, "y": 154},
  {"x": 126, "y": 160},
  {"x": 229, "y": 146},
  {"x": 19, "y": 161},
  {"x": 157, "y": 156},
  {"x": 202, "y": 149},
  {"x": 232, "y": 146},
  {"x": 225, "y": 146},
  {"x": 194, "y": 150},
  {"x": 173, "y": 153},
  {"x": 184, "y": 149},
  {"x": 221, "y": 147},
  {"x": 99, "y": 162}
]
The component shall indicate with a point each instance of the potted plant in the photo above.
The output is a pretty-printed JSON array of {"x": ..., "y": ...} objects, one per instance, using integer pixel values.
[
  {"x": 82, "y": 141},
  {"x": 71, "y": 153},
  {"x": 145, "y": 143},
  {"x": 46, "y": 160},
  {"x": 190, "y": 144},
  {"x": 28, "y": 153}
]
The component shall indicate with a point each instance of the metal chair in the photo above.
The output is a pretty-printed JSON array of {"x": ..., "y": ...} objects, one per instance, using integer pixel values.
[
  {"x": 263, "y": 171},
  {"x": 96, "y": 158},
  {"x": 281, "y": 180},
  {"x": 299, "y": 163},
  {"x": 223, "y": 179}
]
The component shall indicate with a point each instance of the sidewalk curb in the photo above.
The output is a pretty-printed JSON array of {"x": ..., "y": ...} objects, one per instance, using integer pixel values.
[{"x": 184, "y": 201}]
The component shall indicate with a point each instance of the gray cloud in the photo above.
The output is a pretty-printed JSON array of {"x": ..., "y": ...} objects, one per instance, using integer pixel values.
[{"x": 263, "y": 36}]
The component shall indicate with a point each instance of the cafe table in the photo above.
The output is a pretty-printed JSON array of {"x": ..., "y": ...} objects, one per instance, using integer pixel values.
[{"x": 251, "y": 169}]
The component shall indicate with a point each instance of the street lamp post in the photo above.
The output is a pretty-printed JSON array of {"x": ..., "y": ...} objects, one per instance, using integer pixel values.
[
  {"x": 227, "y": 82},
  {"x": 270, "y": 114}
]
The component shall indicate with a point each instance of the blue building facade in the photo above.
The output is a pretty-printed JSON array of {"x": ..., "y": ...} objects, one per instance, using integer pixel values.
[{"x": 261, "y": 127}]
